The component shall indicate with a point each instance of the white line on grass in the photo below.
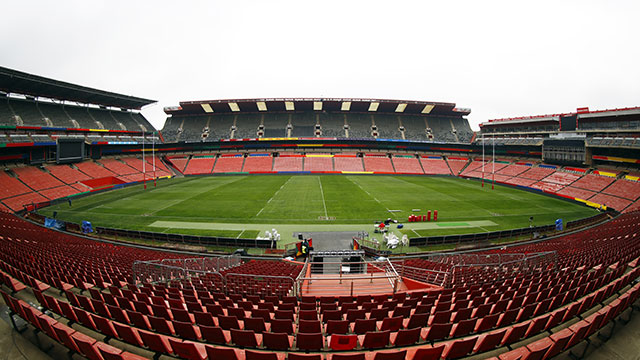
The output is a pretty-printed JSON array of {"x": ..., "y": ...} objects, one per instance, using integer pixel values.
[
  {"x": 326, "y": 216},
  {"x": 374, "y": 198},
  {"x": 273, "y": 196}
]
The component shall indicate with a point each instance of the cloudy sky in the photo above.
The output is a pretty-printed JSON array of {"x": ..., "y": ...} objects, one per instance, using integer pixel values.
[{"x": 499, "y": 58}]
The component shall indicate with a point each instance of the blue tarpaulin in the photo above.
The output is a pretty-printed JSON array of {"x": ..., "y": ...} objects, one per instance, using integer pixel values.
[
  {"x": 53, "y": 223},
  {"x": 86, "y": 227}
]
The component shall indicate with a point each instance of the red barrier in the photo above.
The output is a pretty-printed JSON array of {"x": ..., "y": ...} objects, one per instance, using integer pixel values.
[
  {"x": 428, "y": 215},
  {"x": 424, "y": 217},
  {"x": 102, "y": 182},
  {"x": 435, "y": 215}
]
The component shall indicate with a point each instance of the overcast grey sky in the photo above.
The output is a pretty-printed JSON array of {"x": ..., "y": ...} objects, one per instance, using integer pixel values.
[{"x": 499, "y": 58}]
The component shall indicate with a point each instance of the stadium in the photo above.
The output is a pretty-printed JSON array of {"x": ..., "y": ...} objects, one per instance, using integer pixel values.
[{"x": 313, "y": 228}]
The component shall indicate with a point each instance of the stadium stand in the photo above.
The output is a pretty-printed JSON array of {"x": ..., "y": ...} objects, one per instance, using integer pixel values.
[
  {"x": 407, "y": 164},
  {"x": 304, "y": 125},
  {"x": 513, "y": 170},
  {"x": 35, "y": 178},
  {"x": 288, "y": 162},
  {"x": 93, "y": 169},
  {"x": 117, "y": 166},
  {"x": 414, "y": 128},
  {"x": 318, "y": 163},
  {"x": 26, "y": 112},
  {"x": 378, "y": 163},
  {"x": 179, "y": 162},
  {"x": 247, "y": 126},
  {"x": 387, "y": 127},
  {"x": 348, "y": 163},
  {"x": 577, "y": 193},
  {"x": 55, "y": 113},
  {"x": 11, "y": 186},
  {"x": 624, "y": 188},
  {"x": 359, "y": 126},
  {"x": 228, "y": 163},
  {"x": 611, "y": 201},
  {"x": 67, "y": 174},
  {"x": 258, "y": 163},
  {"x": 220, "y": 126},
  {"x": 435, "y": 165},
  {"x": 537, "y": 173},
  {"x": 442, "y": 129},
  {"x": 562, "y": 178},
  {"x": 332, "y": 125},
  {"x": 550, "y": 308},
  {"x": 200, "y": 164},
  {"x": 457, "y": 164}
]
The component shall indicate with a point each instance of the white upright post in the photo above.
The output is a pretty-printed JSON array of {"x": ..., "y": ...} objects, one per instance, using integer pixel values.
[
  {"x": 482, "y": 160},
  {"x": 493, "y": 170},
  {"x": 144, "y": 168},
  {"x": 153, "y": 155}
]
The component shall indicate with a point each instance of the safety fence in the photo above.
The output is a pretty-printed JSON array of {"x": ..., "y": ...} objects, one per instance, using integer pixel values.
[{"x": 464, "y": 269}]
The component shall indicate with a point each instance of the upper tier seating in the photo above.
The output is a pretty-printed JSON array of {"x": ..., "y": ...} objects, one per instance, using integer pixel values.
[
  {"x": 350, "y": 163},
  {"x": 388, "y": 127},
  {"x": 26, "y": 112},
  {"x": 378, "y": 164},
  {"x": 287, "y": 163},
  {"x": 435, "y": 166},
  {"x": 414, "y": 128},
  {"x": 407, "y": 165},
  {"x": 226, "y": 164},
  {"x": 359, "y": 126},
  {"x": 220, "y": 127},
  {"x": 332, "y": 125},
  {"x": 247, "y": 126},
  {"x": 258, "y": 163},
  {"x": 315, "y": 163}
]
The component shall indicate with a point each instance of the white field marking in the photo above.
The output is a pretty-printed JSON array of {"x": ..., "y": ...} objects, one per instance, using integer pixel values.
[
  {"x": 241, "y": 232},
  {"x": 326, "y": 216},
  {"x": 373, "y": 197},
  {"x": 273, "y": 196}
]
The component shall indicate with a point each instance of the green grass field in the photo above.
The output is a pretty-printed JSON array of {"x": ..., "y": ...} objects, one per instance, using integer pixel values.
[{"x": 245, "y": 206}]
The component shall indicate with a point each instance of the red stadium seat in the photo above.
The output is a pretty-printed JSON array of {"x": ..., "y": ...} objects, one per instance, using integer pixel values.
[
  {"x": 277, "y": 341},
  {"x": 343, "y": 342},
  {"x": 188, "y": 350},
  {"x": 376, "y": 339}
]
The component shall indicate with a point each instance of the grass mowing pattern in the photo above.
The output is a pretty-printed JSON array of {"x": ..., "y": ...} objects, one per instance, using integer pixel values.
[{"x": 300, "y": 201}]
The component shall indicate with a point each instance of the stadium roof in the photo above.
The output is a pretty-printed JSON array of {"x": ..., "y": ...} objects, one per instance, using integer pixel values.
[
  {"x": 582, "y": 113},
  {"x": 19, "y": 82},
  {"x": 315, "y": 104}
]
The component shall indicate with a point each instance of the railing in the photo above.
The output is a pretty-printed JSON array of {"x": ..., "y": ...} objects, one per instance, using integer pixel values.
[
  {"x": 302, "y": 274},
  {"x": 458, "y": 269},
  {"x": 329, "y": 283},
  {"x": 252, "y": 284}
]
